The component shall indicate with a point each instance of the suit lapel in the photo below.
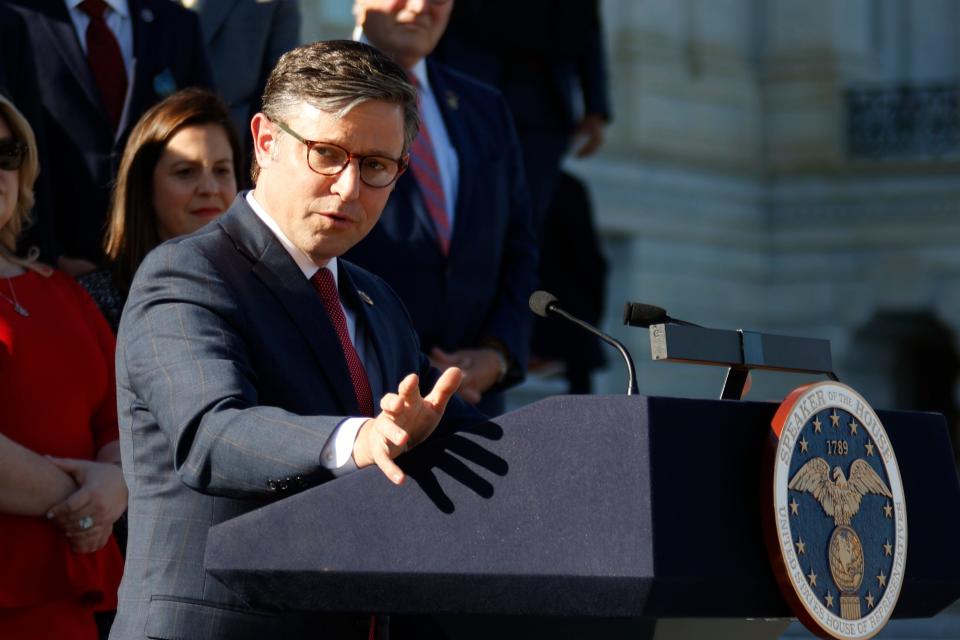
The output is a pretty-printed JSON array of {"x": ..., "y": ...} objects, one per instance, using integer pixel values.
[
  {"x": 277, "y": 270},
  {"x": 142, "y": 20},
  {"x": 364, "y": 305},
  {"x": 448, "y": 100},
  {"x": 63, "y": 35},
  {"x": 213, "y": 13}
]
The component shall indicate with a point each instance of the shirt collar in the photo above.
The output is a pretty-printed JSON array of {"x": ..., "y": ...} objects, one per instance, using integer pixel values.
[
  {"x": 307, "y": 266},
  {"x": 120, "y": 6},
  {"x": 419, "y": 71}
]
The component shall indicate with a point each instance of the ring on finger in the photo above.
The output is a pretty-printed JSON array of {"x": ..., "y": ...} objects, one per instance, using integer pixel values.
[{"x": 84, "y": 523}]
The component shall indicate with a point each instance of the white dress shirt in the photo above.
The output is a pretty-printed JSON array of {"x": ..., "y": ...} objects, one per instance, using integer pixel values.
[{"x": 338, "y": 449}]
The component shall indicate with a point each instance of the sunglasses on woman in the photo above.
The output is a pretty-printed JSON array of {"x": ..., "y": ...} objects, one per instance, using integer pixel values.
[{"x": 12, "y": 153}]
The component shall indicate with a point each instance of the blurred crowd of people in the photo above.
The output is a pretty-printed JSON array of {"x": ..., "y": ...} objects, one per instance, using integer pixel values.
[{"x": 127, "y": 123}]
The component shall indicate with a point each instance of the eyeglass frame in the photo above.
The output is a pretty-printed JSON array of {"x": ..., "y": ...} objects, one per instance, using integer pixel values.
[
  {"x": 16, "y": 149},
  {"x": 402, "y": 163}
]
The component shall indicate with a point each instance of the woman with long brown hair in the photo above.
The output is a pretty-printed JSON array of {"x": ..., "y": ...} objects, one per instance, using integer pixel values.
[{"x": 180, "y": 169}]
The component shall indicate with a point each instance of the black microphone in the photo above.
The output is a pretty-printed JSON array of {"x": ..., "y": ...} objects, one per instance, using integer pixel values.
[
  {"x": 637, "y": 314},
  {"x": 543, "y": 304}
]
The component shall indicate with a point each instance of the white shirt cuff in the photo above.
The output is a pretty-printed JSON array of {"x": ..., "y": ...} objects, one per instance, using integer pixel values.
[{"x": 339, "y": 447}]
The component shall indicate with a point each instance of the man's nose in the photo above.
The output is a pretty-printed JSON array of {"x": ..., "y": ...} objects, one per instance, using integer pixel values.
[{"x": 347, "y": 182}]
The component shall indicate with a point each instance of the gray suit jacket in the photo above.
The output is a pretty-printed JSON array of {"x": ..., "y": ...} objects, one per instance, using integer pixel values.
[
  {"x": 244, "y": 39},
  {"x": 230, "y": 380}
]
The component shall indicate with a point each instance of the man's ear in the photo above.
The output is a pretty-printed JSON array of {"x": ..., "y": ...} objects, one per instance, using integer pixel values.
[{"x": 264, "y": 139}]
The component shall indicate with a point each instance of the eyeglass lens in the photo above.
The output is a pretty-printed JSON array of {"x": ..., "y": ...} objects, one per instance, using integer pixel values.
[
  {"x": 375, "y": 171},
  {"x": 11, "y": 154}
]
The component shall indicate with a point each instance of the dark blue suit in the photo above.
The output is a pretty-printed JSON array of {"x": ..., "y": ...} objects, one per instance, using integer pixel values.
[
  {"x": 230, "y": 380},
  {"x": 480, "y": 289},
  {"x": 18, "y": 82},
  {"x": 82, "y": 149},
  {"x": 548, "y": 61}
]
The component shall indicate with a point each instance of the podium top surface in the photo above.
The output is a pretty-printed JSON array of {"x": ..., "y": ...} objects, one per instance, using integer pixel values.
[{"x": 620, "y": 506}]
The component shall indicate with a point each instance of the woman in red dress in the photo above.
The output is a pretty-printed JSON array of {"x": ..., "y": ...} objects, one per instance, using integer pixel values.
[{"x": 61, "y": 487}]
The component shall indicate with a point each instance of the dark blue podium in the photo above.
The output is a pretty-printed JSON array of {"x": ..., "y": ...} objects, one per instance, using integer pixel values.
[{"x": 595, "y": 507}]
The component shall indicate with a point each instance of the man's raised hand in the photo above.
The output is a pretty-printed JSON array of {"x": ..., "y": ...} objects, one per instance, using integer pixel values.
[{"x": 406, "y": 419}]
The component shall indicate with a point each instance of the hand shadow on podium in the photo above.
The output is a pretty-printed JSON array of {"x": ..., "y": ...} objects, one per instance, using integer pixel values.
[{"x": 447, "y": 455}]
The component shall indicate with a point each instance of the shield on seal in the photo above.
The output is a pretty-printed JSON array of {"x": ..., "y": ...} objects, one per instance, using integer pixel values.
[{"x": 835, "y": 516}]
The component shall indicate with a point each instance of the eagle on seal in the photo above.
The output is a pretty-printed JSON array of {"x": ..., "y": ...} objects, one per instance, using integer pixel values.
[{"x": 840, "y": 496}]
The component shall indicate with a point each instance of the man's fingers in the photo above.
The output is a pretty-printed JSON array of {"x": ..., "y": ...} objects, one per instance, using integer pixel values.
[
  {"x": 589, "y": 146},
  {"x": 392, "y": 433},
  {"x": 470, "y": 395},
  {"x": 442, "y": 359},
  {"x": 389, "y": 467},
  {"x": 378, "y": 438},
  {"x": 409, "y": 387},
  {"x": 446, "y": 385},
  {"x": 391, "y": 403}
]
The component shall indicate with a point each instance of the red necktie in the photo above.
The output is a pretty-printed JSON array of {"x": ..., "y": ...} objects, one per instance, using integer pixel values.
[
  {"x": 323, "y": 282},
  {"x": 427, "y": 173},
  {"x": 105, "y": 59}
]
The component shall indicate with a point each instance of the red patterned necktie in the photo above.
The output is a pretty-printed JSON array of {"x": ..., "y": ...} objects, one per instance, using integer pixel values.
[
  {"x": 423, "y": 162},
  {"x": 323, "y": 282},
  {"x": 105, "y": 59}
]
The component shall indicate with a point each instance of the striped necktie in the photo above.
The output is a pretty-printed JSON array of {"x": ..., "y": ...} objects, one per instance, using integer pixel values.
[{"x": 426, "y": 171}]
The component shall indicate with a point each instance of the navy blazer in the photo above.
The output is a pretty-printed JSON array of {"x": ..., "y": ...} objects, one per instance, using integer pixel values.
[
  {"x": 18, "y": 82},
  {"x": 547, "y": 58},
  {"x": 230, "y": 380},
  {"x": 480, "y": 289},
  {"x": 82, "y": 149}
]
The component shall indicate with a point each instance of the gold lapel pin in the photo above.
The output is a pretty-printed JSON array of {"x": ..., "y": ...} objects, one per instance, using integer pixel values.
[
  {"x": 363, "y": 296},
  {"x": 453, "y": 100}
]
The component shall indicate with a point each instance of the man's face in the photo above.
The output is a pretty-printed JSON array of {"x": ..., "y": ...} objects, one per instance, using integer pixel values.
[
  {"x": 325, "y": 215},
  {"x": 406, "y": 30}
]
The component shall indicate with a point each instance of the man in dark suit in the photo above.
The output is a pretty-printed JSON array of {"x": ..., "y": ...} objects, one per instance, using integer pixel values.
[
  {"x": 18, "y": 81},
  {"x": 548, "y": 60},
  {"x": 466, "y": 289},
  {"x": 250, "y": 358},
  {"x": 161, "y": 50}
]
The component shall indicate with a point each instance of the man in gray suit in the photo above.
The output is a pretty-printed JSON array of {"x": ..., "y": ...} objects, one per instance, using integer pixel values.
[
  {"x": 249, "y": 357},
  {"x": 244, "y": 40}
]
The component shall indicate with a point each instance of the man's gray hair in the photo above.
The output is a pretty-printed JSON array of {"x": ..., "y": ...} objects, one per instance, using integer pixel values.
[{"x": 335, "y": 76}]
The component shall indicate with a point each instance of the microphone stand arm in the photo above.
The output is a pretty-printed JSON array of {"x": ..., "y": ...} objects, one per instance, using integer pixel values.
[{"x": 613, "y": 342}]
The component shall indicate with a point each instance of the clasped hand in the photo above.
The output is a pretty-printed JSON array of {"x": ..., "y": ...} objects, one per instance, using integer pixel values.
[
  {"x": 481, "y": 369},
  {"x": 101, "y": 496},
  {"x": 406, "y": 419}
]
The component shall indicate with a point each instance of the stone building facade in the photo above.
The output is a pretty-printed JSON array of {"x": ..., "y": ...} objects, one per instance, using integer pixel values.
[{"x": 780, "y": 166}]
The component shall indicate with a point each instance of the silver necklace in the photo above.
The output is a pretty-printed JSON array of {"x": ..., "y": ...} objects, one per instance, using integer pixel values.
[{"x": 19, "y": 308}]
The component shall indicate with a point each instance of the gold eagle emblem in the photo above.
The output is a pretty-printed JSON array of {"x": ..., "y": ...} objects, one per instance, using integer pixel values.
[{"x": 840, "y": 496}]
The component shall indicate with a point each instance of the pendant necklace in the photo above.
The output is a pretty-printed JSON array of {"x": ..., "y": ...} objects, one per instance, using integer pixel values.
[{"x": 19, "y": 308}]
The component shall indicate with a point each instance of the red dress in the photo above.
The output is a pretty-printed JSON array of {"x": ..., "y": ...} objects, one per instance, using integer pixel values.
[{"x": 57, "y": 397}]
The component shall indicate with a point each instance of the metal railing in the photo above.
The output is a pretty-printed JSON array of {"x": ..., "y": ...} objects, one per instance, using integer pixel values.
[{"x": 904, "y": 122}]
